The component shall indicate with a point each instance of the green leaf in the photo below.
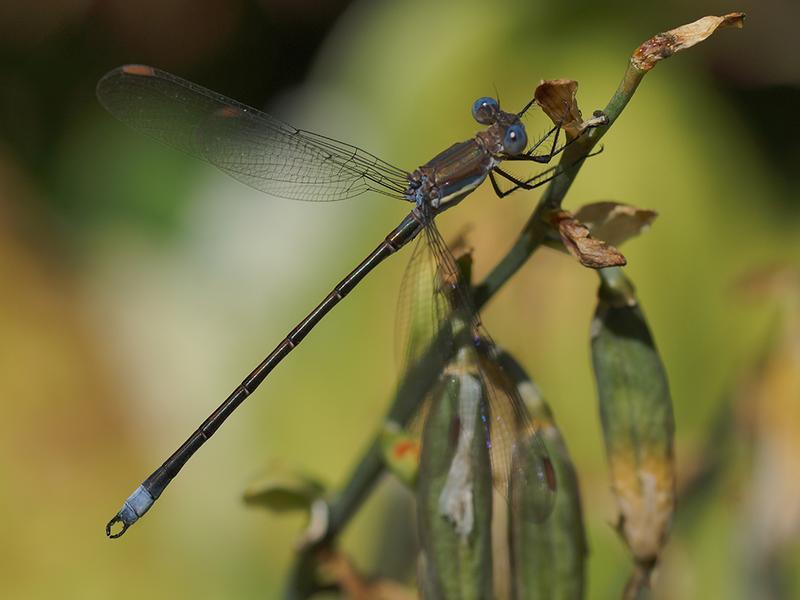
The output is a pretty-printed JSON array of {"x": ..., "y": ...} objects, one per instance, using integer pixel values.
[{"x": 283, "y": 492}]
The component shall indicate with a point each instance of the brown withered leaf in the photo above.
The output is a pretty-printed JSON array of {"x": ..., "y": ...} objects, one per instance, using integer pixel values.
[
  {"x": 614, "y": 222},
  {"x": 664, "y": 45},
  {"x": 557, "y": 99},
  {"x": 592, "y": 253}
]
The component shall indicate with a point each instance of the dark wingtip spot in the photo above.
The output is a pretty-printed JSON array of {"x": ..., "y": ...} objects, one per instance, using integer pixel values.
[{"x": 142, "y": 70}]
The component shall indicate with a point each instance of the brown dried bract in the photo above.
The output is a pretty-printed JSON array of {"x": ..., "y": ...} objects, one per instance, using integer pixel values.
[
  {"x": 614, "y": 222},
  {"x": 592, "y": 253},
  {"x": 557, "y": 99},
  {"x": 666, "y": 44}
]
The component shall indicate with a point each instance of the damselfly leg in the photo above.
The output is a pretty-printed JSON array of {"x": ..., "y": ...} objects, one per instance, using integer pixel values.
[{"x": 274, "y": 157}]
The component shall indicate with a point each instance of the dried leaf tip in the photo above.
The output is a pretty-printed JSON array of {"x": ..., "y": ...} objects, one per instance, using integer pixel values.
[
  {"x": 614, "y": 222},
  {"x": 557, "y": 99},
  {"x": 592, "y": 253},
  {"x": 664, "y": 45}
]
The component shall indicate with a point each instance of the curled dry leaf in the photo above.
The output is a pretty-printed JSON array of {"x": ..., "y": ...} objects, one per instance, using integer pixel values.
[
  {"x": 592, "y": 253},
  {"x": 666, "y": 44},
  {"x": 613, "y": 222},
  {"x": 557, "y": 99}
]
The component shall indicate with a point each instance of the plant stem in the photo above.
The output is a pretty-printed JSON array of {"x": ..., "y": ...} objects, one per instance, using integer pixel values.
[
  {"x": 536, "y": 228},
  {"x": 423, "y": 374}
]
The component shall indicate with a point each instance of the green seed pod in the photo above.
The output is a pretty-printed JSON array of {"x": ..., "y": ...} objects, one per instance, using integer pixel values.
[
  {"x": 636, "y": 415},
  {"x": 454, "y": 493},
  {"x": 547, "y": 557}
]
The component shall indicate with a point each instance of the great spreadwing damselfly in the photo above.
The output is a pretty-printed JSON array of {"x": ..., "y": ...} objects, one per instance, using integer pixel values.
[{"x": 282, "y": 161}]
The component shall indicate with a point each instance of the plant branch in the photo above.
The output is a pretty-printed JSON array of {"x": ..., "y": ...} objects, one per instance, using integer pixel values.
[{"x": 423, "y": 374}]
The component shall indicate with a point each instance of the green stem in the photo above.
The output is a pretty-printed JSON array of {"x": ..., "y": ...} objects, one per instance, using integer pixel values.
[
  {"x": 537, "y": 227},
  {"x": 421, "y": 377}
]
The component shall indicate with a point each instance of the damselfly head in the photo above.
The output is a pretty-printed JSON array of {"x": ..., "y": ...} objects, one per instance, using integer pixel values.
[{"x": 506, "y": 136}]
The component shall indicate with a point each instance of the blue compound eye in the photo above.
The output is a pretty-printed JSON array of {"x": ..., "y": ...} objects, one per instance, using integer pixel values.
[
  {"x": 485, "y": 110},
  {"x": 515, "y": 140}
]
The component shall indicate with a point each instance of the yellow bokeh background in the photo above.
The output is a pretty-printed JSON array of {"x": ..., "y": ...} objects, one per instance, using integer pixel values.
[{"x": 139, "y": 286}]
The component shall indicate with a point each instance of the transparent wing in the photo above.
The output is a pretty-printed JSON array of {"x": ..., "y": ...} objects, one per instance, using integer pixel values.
[
  {"x": 247, "y": 144},
  {"x": 422, "y": 308},
  {"x": 521, "y": 465},
  {"x": 515, "y": 448}
]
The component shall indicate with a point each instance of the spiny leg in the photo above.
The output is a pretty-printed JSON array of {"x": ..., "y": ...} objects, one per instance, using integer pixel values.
[
  {"x": 527, "y": 184},
  {"x": 546, "y": 158},
  {"x": 557, "y": 130},
  {"x": 554, "y": 150},
  {"x": 532, "y": 183}
]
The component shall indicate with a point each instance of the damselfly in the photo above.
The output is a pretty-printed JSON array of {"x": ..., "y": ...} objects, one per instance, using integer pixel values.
[
  {"x": 476, "y": 435},
  {"x": 278, "y": 159}
]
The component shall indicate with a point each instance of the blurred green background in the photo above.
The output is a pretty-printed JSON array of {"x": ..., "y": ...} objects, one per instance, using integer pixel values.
[{"x": 138, "y": 286}]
